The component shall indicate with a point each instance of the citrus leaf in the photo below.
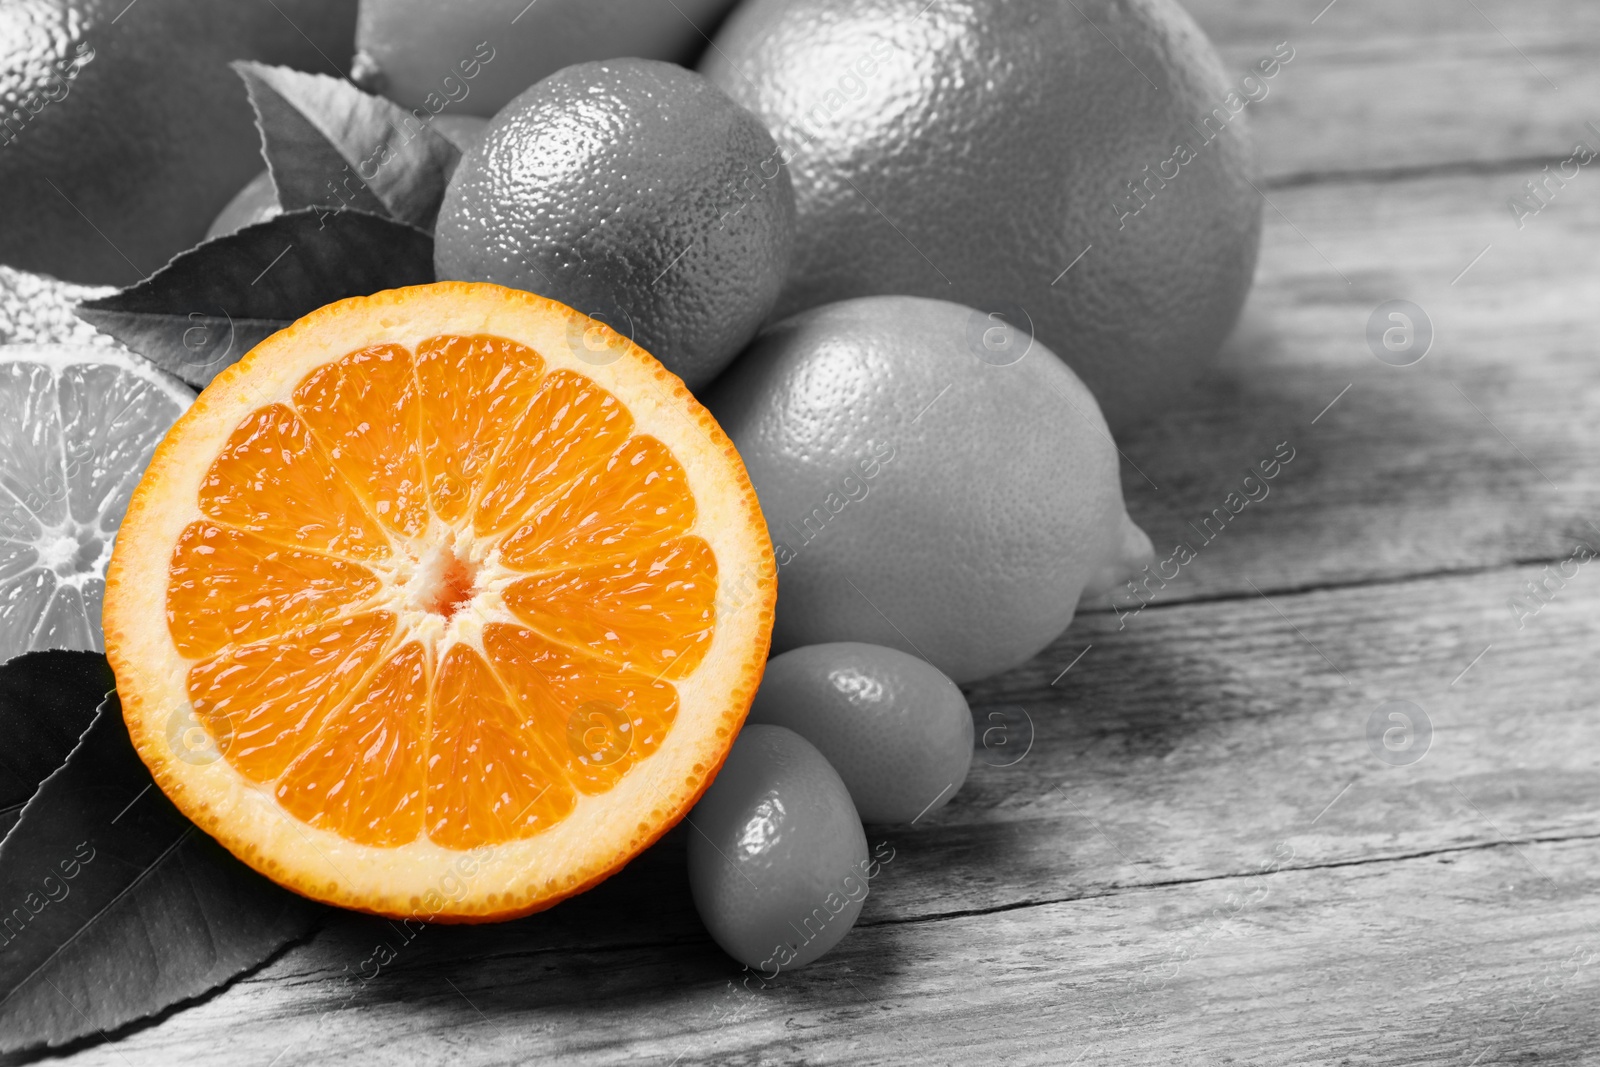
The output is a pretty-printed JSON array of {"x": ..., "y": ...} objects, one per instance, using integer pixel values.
[
  {"x": 47, "y": 700},
  {"x": 212, "y": 304},
  {"x": 328, "y": 144},
  {"x": 113, "y": 906}
]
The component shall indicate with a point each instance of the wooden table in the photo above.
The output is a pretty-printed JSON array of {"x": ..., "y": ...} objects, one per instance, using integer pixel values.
[{"x": 1201, "y": 857}]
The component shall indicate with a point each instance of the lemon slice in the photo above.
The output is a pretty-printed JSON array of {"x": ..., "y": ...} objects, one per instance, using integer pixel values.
[{"x": 78, "y": 424}]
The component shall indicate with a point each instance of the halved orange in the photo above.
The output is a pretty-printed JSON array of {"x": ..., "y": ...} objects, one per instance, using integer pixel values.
[{"x": 443, "y": 602}]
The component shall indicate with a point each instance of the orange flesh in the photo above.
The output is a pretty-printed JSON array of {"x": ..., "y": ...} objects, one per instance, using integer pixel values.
[{"x": 442, "y": 593}]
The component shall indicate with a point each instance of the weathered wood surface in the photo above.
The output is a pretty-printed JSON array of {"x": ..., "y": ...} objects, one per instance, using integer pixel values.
[
  {"x": 1389, "y": 148},
  {"x": 1426, "y": 960},
  {"x": 1177, "y": 758},
  {"x": 1200, "y": 858},
  {"x": 1378, "y": 86},
  {"x": 1484, "y": 453}
]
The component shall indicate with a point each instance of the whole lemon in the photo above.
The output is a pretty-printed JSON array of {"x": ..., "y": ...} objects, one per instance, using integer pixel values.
[
  {"x": 778, "y": 861},
  {"x": 1083, "y": 166},
  {"x": 636, "y": 192},
  {"x": 122, "y": 130},
  {"x": 475, "y": 55},
  {"x": 928, "y": 485}
]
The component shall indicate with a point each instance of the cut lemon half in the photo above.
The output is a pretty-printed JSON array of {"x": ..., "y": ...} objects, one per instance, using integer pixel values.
[
  {"x": 78, "y": 423},
  {"x": 441, "y": 603}
]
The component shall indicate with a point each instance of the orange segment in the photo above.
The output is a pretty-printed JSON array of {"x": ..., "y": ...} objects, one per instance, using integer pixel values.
[
  {"x": 611, "y": 719},
  {"x": 358, "y": 778},
  {"x": 640, "y": 496},
  {"x": 272, "y": 479},
  {"x": 264, "y": 703},
  {"x": 488, "y": 778},
  {"x": 227, "y": 587},
  {"x": 363, "y": 410},
  {"x": 571, "y": 426},
  {"x": 472, "y": 390},
  {"x": 653, "y": 612},
  {"x": 444, "y": 591}
]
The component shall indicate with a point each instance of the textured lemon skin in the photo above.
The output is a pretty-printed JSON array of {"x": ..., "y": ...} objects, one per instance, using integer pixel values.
[
  {"x": 37, "y": 308},
  {"x": 128, "y": 159},
  {"x": 919, "y": 497},
  {"x": 636, "y": 192},
  {"x": 972, "y": 151},
  {"x": 423, "y": 880}
]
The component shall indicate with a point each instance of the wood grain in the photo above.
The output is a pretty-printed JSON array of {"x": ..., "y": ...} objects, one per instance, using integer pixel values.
[
  {"x": 1187, "y": 749},
  {"x": 1484, "y": 453},
  {"x": 1377, "y": 86},
  {"x": 1483, "y": 955}
]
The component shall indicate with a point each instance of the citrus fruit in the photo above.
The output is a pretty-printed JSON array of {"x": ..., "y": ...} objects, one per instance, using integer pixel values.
[
  {"x": 898, "y": 732},
  {"x": 636, "y": 192},
  {"x": 1014, "y": 154},
  {"x": 927, "y": 487},
  {"x": 464, "y": 621},
  {"x": 258, "y": 200},
  {"x": 78, "y": 424},
  {"x": 476, "y": 55},
  {"x": 777, "y": 861},
  {"x": 123, "y": 132},
  {"x": 41, "y": 309}
]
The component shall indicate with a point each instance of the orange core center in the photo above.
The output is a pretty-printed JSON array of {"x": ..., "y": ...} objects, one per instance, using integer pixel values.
[{"x": 447, "y": 583}]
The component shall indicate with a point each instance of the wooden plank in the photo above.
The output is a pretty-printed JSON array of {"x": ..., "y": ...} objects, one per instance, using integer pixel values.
[
  {"x": 1326, "y": 966},
  {"x": 1188, "y": 746},
  {"x": 1483, "y": 453},
  {"x": 1376, "y": 85}
]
